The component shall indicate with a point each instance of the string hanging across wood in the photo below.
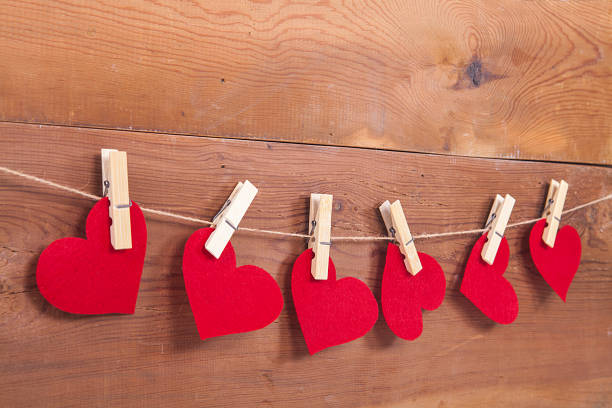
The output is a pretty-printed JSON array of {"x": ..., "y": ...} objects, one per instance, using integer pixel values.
[
  {"x": 289, "y": 234},
  {"x": 101, "y": 274}
]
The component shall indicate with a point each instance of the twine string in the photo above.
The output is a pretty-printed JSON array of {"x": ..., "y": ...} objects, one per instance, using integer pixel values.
[{"x": 289, "y": 234}]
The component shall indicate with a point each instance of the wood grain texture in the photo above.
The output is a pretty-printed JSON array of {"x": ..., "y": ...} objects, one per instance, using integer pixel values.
[
  {"x": 501, "y": 78},
  {"x": 554, "y": 355}
]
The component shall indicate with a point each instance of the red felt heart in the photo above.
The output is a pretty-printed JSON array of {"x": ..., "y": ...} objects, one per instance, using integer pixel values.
[
  {"x": 559, "y": 264},
  {"x": 225, "y": 299},
  {"x": 88, "y": 276},
  {"x": 404, "y": 295},
  {"x": 485, "y": 285},
  {"x": 330, "y": 312}
]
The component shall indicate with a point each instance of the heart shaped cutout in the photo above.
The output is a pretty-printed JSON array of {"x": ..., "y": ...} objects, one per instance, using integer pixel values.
[
  {"x": 330, "y": 312},
  {"x": 404, "y": 296},
  {"x": 88, "y": 276},
  {"x": 486, "y": 286},
  {"x": 225, "y": 299},
  {"x": 557, "y": 265}
]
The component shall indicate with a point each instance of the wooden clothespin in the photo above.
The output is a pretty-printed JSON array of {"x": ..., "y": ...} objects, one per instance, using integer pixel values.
[
  {"x": 397, "y": 227},
  {"x": 319, "y": 223},
  {"x": 115, "y": 186},
  {"x": 497, "y": 221},
  {"x": 553, "y": 210},
  {"x": 227, "y": 219}
]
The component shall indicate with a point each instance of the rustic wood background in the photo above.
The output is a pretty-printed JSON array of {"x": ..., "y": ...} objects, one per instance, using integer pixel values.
[
  {"x": 491, "y": 81},
  {"x": 497, "y": 78}
]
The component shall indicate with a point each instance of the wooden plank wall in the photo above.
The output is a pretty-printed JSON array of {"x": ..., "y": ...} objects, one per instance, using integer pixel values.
[
  {"x": 495, "y": 78},
  {"x": 380, "y": 100},
  {"x": 554, "y": 354}
]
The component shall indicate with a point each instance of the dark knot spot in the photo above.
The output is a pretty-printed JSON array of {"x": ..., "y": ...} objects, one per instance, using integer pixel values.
[{"x": 474, "y": 71}]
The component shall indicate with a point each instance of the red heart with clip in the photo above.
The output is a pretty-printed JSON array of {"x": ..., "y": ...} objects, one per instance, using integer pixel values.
[
  {"x": 404, "y": 296},
  {"x": 330, "y": 311},
  {"x": 486, "y": 286},
  {"x": 88, "y": 276},
  {"x": 557, "y": 265},
  {"x": 225, "y": 299}
]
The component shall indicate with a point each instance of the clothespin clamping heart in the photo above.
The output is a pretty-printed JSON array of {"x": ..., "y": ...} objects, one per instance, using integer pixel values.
[
  {"x": 227, "y": 219},
  {"x": 553, "y": 210},
  {"x": 496, "y": 222},
  {"x": 115, "y": 187},
  {"x": 319, "y": 225},
  {"x": 397, "y": 227}
]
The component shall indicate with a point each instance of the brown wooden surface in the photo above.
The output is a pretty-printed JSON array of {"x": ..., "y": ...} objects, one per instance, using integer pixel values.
[
  {"x": 554, "y": 355},
  {"x": 529, "y": 79}
]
